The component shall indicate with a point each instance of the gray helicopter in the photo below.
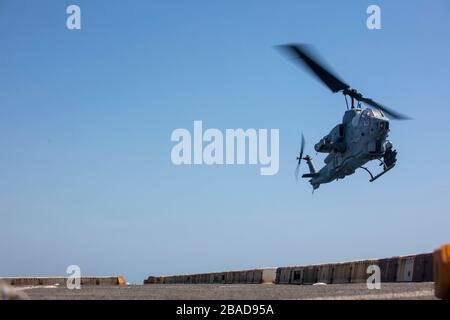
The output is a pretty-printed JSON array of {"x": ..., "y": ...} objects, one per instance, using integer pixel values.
[{"x": 360, "y": 138}]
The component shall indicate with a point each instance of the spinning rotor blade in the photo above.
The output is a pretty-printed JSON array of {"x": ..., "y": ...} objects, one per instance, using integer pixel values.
[
  {"x": 303, "y": 53},
  {"x": 299, "y": 158},
  {"x": 389, "y": 112}
]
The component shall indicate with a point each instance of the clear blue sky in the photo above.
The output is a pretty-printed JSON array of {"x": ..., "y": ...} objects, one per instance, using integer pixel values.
[{"x": 86, "y": 118}]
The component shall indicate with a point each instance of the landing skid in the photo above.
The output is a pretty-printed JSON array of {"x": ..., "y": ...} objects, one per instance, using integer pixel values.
[{"x": 373, "y": 178}]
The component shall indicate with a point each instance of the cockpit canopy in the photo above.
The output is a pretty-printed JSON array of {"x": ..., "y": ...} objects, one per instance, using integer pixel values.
[
  {"x": 374, "y": 113},
  {"x": 365, "y": 114}
]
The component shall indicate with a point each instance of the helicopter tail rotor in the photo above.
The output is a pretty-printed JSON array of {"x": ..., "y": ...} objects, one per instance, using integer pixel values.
[{"x": 300, "y": 157}]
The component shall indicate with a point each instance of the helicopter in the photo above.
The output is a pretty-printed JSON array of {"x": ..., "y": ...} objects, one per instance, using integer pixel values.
[{"x": 360, "y": 138}]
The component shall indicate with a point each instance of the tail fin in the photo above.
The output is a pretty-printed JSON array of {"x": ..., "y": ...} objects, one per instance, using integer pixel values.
[{"x": 312, "y": 170}]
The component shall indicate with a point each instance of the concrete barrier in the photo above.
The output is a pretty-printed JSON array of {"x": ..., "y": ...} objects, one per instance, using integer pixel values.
[
  {"x": 297, "y": 275},
  {"x": 324, "y": 273},
  {"x": 359, "y": 270},
  {"x": 388, "y": 268},
  {"x": 418, "y": 268},
  {"x": 257, "y": 276},
  {"x": 405, "y": 268},
  {"x": 62, "y": 281},
  {"x": 284, "y": 275},
  {"x": 265, "y": 275},
  {"x": 309, "y": 275},
  {"x": 412, "y": 268},
  {"x": 268, "y": 276},
  {"x": 341, "y": 273},
  {"x": 423, "y": 268}
]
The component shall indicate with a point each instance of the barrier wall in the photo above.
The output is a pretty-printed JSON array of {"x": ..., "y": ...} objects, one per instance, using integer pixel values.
[
  {"x": 256, "y": 276},
  {"x": 423, "y": 268},
  {"x": 62, "y": 281},
  {"x": 412, "y": 268}
]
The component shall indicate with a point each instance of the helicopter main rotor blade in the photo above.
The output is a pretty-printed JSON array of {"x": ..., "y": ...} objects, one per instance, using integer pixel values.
[
  {"x": 389, "y": 112},
  {"x": 304, "y": 53},
  {"x": 302, "y": 148},
  {"x": 297, "y": 171}
]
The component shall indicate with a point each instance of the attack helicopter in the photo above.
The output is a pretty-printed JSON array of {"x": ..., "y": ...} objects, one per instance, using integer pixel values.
[{"x": 360, "y": 138}]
